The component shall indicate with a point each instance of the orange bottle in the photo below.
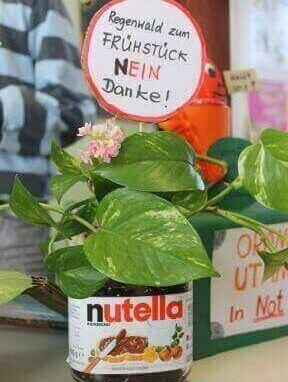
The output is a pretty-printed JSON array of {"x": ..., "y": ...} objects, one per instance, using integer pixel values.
[{"x": 206, "y": 119}]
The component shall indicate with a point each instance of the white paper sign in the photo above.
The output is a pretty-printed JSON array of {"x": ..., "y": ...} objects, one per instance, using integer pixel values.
[
  {"x": 144, "y": 59},
  {"x": 238, "y": 81},
  {"x": 240, "y": 303}
]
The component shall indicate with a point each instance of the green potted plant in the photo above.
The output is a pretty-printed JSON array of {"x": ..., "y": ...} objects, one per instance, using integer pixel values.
[{"x": 129, "y": 281}]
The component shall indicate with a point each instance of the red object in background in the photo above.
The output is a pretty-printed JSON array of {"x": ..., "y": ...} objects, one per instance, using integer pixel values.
[
  {"x": 205, "y": 120},
  {"x": 213, "y": 89}
]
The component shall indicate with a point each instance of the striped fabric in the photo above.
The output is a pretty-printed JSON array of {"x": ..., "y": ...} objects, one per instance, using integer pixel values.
[{"x": 42, "y": 90}]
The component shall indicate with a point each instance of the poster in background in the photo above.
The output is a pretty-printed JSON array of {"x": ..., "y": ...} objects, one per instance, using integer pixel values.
[
  {"x": 259, "y": 39},
  {"x": 269, "y": 106}
]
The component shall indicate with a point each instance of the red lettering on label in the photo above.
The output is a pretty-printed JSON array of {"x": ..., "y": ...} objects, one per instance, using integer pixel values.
[
  {"x": 127, "y": 307},
  {"x": 109, "y": 316},
  {"x": 162, "y": 308},
  {"x": 156, "y": 309},
  {"x": 142, "y": 312},
  {"x": 175, "y": 310}
]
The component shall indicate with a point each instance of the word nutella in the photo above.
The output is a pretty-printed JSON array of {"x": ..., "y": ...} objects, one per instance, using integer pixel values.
[{"x": 157, "y": 309}]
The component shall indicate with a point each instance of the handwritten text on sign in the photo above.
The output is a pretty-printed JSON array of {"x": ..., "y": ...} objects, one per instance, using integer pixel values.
[
  {"x": 241, "y": 81},
  {"x": 144, "y": 58},
  {"x": 240, "y": 302}
]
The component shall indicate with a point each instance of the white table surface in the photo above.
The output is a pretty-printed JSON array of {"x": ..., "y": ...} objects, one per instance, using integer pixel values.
[{"x": 39, "y": 356}]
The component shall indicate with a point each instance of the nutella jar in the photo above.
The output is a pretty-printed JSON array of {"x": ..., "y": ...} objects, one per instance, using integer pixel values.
[{"x": 131, "y": 334}]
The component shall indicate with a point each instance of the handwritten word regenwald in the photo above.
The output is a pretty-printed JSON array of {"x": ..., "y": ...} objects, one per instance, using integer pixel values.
[{"x": 122, "y": 22}]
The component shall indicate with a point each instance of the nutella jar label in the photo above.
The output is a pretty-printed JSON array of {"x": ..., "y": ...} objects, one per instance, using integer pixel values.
[{"x": 130, "y": 335}]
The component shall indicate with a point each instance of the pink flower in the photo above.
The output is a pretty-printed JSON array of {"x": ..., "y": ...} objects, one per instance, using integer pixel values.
[
  {"x": 85, "y": 156},
  {"x": 99, "y": 131},
  {"x": 103, "y": 150},
  {"x": 105, "y": 143},
  {"x": 85, "y": 130},
  {"x": 96, "y": 148},
  {"x": 111, "y": 151}
]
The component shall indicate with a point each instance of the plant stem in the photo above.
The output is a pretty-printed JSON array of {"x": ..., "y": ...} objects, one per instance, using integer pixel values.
[
  {"x": 74, "y": 217},
  {"x": 238, "y": 219},
  {"x": 48, "y": 207},
  {"x": 231, "y": 187},
  {"x": 52, "y": 241},
  {"x": 268, "y": 243},
  {"x": 212, "y": 160},
  {"x": 79, "y": 204},
  {"x": 272, "y": 230},
  {"x": 4, "y": 207},
  {"x": 260, "y": 224},
  {"x": 84, "y": 223}
]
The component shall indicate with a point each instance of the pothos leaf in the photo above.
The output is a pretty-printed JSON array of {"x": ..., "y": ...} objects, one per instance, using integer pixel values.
[
  {"x": 273, "y": 262},
  {"x": 229, "y": 149},
  {"x": 81, "y": 282},
  {"x": 68, "y": 227},
  {"x": 64, "y": 162},
  {"x": 74, "y": 274},
  {"x": 190, "y": 202},
  {"x": 102, "y": 186},
  {"x": 145, "y": 240},
  {"x": 156, "y": 162},
  {"x": 27, "y": 208},
  {"x": 263, "y": 169},
  {"x": 61, "y": 183},
  {"x": 12, "y": 284},
  {"x": 66, "y": 258}
]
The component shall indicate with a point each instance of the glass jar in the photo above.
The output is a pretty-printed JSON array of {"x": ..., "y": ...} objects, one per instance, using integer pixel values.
[{"x": 131, "y": 334}]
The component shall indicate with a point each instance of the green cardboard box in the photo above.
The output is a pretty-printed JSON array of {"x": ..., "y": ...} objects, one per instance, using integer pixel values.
[{"x": 238, "y": 309}]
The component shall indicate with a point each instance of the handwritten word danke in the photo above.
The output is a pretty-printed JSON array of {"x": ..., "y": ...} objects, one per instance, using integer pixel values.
[{"x": 139, "y": 93}]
